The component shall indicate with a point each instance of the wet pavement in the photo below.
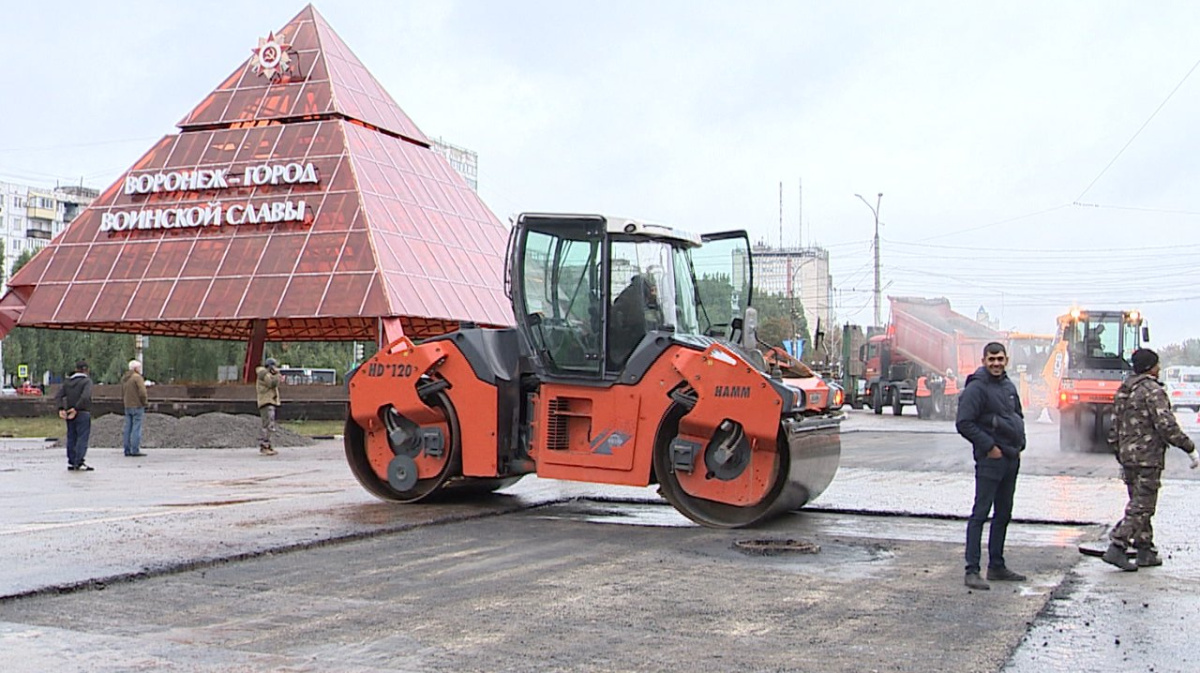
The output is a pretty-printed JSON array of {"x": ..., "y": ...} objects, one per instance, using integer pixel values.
[{"x": 136, "y": 521}]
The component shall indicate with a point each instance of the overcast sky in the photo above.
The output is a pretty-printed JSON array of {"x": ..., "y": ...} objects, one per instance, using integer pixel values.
[{"x": 1032, "y": 155}]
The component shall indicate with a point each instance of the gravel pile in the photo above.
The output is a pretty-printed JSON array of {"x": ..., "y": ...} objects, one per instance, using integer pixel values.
[{"x": 206, "y": 431}]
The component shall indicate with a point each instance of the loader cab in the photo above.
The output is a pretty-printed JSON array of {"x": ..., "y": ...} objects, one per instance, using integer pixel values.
[
  {"x": 1103, "y": 340},
  {"x": 588, "y": 290}
]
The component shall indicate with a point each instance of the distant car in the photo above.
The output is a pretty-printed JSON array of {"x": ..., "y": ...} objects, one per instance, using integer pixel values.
[
  {"x": 29, "y": 390},
  {"x": 8, "y": 392},
  {"x": 1183, "y": 387}
]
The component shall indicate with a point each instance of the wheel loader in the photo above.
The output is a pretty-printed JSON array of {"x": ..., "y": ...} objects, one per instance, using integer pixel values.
[
  {"x": 631, "y": 362},
  {"x": 1091, "y": 356}
]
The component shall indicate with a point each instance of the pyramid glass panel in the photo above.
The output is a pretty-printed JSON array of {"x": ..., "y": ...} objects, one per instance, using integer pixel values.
[{"x": 296, "y": 193}]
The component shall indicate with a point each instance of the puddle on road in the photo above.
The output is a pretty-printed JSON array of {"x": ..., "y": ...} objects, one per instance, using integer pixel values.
[
  {"x": 833, "y": 524},
  {"x": 261, "y": 479},
  {"x": 630, "y": 514},
  {"x": 215, "y": 503}
]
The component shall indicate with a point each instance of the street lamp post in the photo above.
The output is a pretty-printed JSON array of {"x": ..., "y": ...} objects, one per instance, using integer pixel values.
[
  {"x": 875, "y": 212},
  {"x": 792, "y": 297}
]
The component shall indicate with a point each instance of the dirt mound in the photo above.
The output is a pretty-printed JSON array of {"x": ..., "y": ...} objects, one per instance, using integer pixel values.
[{"x": 206, "y": 431}]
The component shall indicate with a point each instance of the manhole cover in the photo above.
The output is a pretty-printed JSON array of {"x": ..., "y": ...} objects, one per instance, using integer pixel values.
[{"x": 773, "y": 547}]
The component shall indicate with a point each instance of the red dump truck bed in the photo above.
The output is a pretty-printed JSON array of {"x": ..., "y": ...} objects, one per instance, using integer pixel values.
[{"x": 928, "y": 332}]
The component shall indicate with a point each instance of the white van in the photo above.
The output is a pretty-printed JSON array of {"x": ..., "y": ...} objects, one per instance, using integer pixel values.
[{"x": 1183, "y": 386}]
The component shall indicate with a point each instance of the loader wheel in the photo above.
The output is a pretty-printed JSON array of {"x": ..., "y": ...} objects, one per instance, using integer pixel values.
[
  {"x": 707, "y": 512},
  {"x": 1068, "y": 430},
  {"x": 400, "y": 472}
]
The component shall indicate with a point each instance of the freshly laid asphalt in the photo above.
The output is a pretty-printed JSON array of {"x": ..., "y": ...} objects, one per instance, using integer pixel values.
[{"x": 133, "y": 522}]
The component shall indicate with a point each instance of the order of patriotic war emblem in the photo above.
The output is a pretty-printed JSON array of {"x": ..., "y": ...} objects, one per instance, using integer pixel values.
[{"x": 272, "y": 57}]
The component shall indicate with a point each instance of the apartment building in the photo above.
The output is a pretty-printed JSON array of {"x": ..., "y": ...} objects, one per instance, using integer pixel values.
[{"x": 30, "y": 216}]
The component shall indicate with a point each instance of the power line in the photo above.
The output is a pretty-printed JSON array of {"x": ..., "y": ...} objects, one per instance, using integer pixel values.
[
  {"x": 993, "y": 224},
  {"x": 1139, "y": 131},
  {"x": 1139, "y": 209},
  {"x": 1036, "y": 250},
  {"x": 77, "y": 145}
]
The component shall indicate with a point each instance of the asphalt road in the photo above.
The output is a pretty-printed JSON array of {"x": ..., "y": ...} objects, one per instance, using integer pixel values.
[{"x": 221, "y": 560}]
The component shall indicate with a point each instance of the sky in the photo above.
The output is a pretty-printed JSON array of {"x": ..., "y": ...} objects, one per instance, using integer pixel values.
[{"x": 1032, "y": 156}]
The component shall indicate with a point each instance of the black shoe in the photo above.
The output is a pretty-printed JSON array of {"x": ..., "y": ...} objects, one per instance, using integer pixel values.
[
  {"x": 84, "y": 467},
  {"x": 1003, "y": 574},
  {"x": 1115, "y": 555},
  {"x": 1148, "y": 558},
  {"x": 71, "y": 468},
  {"x": 139, "y": 454},
  {"x": 974, "y": 581}
]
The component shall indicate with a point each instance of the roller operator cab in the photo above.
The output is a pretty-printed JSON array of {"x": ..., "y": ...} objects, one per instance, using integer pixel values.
[
  {"x": 632, "y": 362},
  {"x": 1091, "y": 357}
]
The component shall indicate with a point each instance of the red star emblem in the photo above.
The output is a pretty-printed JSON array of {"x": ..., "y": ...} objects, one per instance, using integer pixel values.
[{"x": 272, "y": 57}]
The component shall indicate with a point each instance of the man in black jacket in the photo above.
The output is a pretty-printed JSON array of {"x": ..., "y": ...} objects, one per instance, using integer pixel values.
[
  {"x": 75, "y": 407},
  {"x": 990, "y": 417}
]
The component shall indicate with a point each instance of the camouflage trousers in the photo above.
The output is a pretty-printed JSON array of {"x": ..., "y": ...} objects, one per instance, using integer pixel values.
[
  {"x": 267, "y": 413},
  {"x": 1135, "y": 529}
]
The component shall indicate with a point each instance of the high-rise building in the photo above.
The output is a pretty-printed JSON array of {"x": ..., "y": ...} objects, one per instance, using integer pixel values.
[
  {"x": 462, "y": 160},
  {"x": 802, "y": 273},
  {"x": 31, "y": 216}
]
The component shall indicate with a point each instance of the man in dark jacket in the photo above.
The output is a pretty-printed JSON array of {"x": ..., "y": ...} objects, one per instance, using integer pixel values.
[
  {"x": 990, "y": 417},
  {"x": 629, "y": 323},
  {"x": 74, "y": 406},
  {"x": 1143, "y": 426}
]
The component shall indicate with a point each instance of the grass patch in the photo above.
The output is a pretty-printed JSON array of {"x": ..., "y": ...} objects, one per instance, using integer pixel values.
[
  {"x": 315, "y": 428},
  {"x": 40, "y": 427},
  {"x": 53, "y": 426}
]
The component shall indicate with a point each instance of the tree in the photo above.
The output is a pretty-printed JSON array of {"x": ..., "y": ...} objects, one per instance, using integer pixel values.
[
  {"x": 22, "y": 260},
  {"x": 1186, "y": 353},
  {"x": 781, "y": 318}
]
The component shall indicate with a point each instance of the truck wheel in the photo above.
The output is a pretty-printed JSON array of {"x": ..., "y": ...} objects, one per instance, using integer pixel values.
[
  {"x": 877, "y": 400},
  {"x": 897, "y": 407}
]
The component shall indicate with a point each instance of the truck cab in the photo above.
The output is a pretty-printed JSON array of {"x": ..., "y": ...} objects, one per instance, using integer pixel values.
[{"x": 887, "y": 373}]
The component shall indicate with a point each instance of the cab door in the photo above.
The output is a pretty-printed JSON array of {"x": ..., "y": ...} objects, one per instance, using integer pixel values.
[{"x": 724, "y": 278}]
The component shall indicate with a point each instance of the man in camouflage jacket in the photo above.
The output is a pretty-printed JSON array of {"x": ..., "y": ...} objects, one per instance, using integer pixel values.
[{"x": 1143, "y": 426}]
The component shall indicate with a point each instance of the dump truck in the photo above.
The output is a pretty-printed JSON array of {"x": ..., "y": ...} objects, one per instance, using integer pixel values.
[
  {"x": 633, "y": 361},
  {"x": 923, "y": 357},
  {"x": 1092, "y": 353}
]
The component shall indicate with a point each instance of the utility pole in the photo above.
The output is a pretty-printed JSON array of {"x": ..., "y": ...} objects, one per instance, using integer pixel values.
[
  {"x": 781, "y": 214},
  {"x": 875, "y": 212},
  {"x": 800, "y": 212}
]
